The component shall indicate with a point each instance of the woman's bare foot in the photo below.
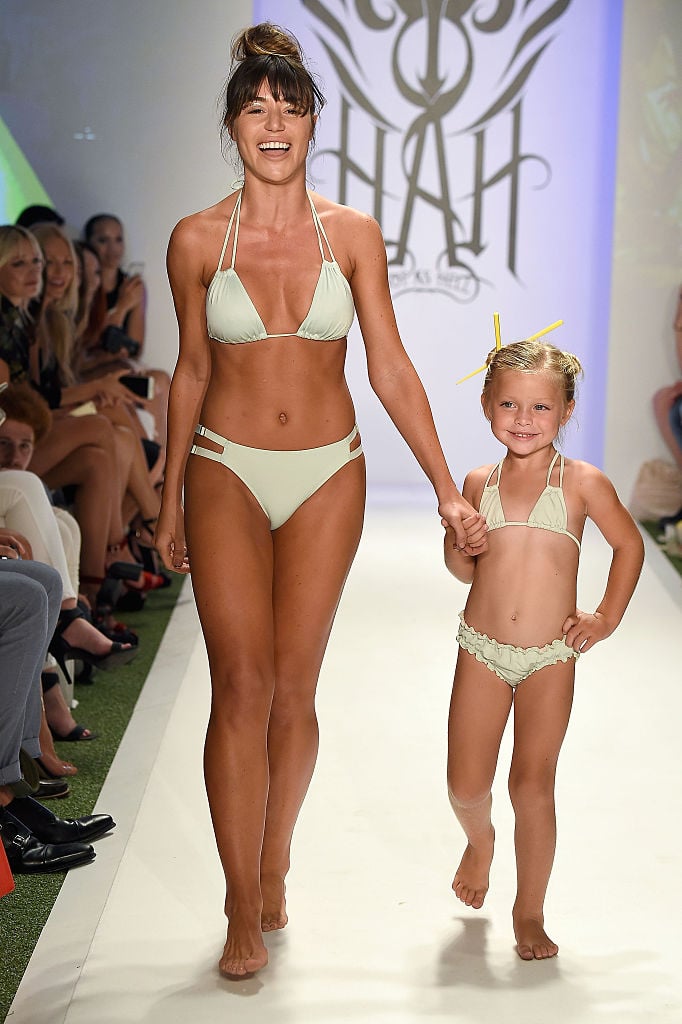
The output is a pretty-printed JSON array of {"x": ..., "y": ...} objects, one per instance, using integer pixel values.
[
  {"x": 62, "y": 723},
  {"x": 532, "y": 941},
  {"x": 81, "y": 633},
  {"x": 472, "y": 877},
  {"x": 274, "y": 915},
  {"x": 245, "y": 951}
]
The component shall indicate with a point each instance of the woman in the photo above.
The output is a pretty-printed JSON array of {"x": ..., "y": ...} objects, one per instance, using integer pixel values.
[
  {"x": 126, "y": 303},
  {"x": 272, "y": 531}
]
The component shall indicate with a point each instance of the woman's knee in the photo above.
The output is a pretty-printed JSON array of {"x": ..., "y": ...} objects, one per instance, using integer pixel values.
[
  {"x": 241, "y": 695},
  {"x": 466, "y": 792}
]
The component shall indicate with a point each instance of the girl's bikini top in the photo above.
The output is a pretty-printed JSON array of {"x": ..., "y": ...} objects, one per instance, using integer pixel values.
[
  {"x": 549, "y": 512},
  {"x": 232, "y": 318}
]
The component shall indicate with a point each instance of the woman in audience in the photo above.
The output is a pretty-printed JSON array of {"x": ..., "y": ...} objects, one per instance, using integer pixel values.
[{"x": 126, "y": 302}]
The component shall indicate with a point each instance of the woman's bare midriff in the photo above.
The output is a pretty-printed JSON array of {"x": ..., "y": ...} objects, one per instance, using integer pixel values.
[{"x": 280, "y": 393}]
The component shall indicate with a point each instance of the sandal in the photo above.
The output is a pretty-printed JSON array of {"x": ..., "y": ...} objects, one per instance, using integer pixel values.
[
  {"x": 61, "y": 649},
  {"x": 77, "y": 735}
]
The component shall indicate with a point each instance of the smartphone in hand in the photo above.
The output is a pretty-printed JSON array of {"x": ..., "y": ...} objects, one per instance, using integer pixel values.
[{"x": 140, "y": 385}]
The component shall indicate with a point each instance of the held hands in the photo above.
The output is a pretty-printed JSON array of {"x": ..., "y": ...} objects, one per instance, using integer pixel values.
[
  {"x": 470, "y": 532},
  {"x": 583, "y": 630},
  {"x": 169, "y": 540}
]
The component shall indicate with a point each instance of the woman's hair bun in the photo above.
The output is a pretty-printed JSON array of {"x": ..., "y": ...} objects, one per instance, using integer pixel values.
[{"x": 265, "y": 39}]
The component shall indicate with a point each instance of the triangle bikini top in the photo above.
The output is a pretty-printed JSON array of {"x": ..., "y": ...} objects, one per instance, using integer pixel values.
[
  {"x": 548, "y": 513},
  {"x": 232, "y": 318}
]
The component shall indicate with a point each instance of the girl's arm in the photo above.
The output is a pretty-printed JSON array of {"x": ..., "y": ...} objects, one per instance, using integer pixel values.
[
  {"x": 603, "y": 507},
  {"x": 461, "y": 564},
  {"x": 188, "y": 386},
  {"x": 395, "y": 381}
]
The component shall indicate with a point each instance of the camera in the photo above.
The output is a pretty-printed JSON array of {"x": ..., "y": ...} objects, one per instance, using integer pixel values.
[{"x": 115, "y": 338}]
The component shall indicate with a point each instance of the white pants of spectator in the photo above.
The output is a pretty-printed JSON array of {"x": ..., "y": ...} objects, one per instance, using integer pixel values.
[{"x": 54, "y": 535}]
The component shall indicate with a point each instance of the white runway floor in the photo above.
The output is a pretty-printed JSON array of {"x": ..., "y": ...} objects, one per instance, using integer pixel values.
[{"x": 376, "y": 936}]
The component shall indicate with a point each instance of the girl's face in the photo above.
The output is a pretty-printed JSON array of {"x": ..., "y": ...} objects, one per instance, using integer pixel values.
[
  {"x": 21, "y": 277},
  {"x": 107, "y": 241},
  {"x": 59, "y": 268},
  {"x": 16, "y": 444},
  {"x": 272, "y": 136},
  {"x": 526, "y": 410}
]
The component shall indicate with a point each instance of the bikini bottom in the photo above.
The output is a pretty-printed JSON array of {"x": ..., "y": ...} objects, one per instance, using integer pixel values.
[
  {"x": 512, "y": 664},
  {"x": 280, "y": 481}
]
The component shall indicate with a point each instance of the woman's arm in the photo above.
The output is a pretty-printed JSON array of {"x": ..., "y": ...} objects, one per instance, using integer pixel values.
[
  {"x": 395, "y": 381},
  {"x": 605, "y": 509},
  {"x": 459, "y": 563},
  {"x": 188, "y": 386}
]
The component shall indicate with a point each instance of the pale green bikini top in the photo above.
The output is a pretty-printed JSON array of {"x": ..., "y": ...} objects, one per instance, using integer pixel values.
[
  {"x": 548, "y": 513},
  {"x": 232, "y": 318}
]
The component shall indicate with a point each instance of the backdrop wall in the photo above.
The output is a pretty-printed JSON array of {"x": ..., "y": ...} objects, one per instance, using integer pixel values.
[{"x": 113, "y": 105}]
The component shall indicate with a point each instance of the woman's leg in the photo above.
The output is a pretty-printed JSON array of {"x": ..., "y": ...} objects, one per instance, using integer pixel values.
[
  {"x": 542, "y": 707},
  {"x": 313, "y": 552},
  {"x": 230, "y": 551},
  {"x": 479, "y": 709}
]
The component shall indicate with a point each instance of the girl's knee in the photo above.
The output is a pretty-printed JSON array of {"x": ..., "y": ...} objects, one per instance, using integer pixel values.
[
  {"x": 532, "y": 786},
  {"x": 465, "y": 795}
]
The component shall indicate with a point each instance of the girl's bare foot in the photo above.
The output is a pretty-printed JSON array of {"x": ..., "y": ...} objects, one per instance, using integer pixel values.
[
  {"x": 244, "y": 952},
  {"x": 532, "y": 941},
  {"x": 274, "y": 915},
  {"x": 472, "y": 878}
]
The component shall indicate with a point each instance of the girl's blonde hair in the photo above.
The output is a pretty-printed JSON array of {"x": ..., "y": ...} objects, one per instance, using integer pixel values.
[
  {"x": 534, "y": 357},
  {"x": 58, "y": 319}
]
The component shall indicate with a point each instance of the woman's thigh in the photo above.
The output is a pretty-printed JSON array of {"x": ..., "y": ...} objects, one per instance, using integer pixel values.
[
  {"x": 230, "y": 554},
  {"x": 312, "y": 555}
]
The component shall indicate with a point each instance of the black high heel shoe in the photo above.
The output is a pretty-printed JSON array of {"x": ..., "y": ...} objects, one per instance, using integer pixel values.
[{"x": 61, "y": 649}]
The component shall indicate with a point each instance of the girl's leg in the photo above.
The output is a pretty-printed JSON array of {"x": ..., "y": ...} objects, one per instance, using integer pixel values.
[
  {"x": 479, "y": 709},
  {"x": 542, "y": 707},
  {"x": 313, "y": 552},
  {"x": 230, "y": 550}
]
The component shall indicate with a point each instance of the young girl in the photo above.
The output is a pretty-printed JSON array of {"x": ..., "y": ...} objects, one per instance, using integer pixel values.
[{"x": 521, "y": 632}]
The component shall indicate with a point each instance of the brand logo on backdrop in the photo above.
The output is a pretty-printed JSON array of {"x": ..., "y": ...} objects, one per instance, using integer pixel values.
[{"x": 431, "y": 123}]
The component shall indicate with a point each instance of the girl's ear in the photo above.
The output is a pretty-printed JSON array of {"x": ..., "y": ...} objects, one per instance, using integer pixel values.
[{"x": 568, "y": 412}]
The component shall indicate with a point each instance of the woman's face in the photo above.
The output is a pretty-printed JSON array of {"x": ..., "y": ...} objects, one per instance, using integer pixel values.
[
  {"x": 16, "y": 444},
  {"x": 59, "y": 268},
  {"x": 92, "y": 275},
  {"x": 21, "y": 277},
  {"x": 272, "y": 136},
  {"x": 107, "y": 241}
]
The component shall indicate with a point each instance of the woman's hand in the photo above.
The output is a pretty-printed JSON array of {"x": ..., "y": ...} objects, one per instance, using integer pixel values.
[
  {"x": 169, "y": 540},
  {"x": 14, "y": 545},
  {"x": 131, "y": 294},
  {"x": 469, "y": 526}
]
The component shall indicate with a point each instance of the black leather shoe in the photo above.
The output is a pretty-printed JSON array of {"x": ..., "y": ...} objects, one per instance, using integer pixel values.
[
  {"x": 28, "y": 856},
  {"x": 48, "y": 789},
  {"x": 48, "y": 828}
]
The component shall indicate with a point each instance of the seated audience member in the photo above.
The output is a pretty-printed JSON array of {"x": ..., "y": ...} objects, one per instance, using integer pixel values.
[
  {"x": 126, "y": 302},
  {"x": 35, "y": 840},
  {"x": 32, "y": 215},
  {"x": 84, "y": 451}
]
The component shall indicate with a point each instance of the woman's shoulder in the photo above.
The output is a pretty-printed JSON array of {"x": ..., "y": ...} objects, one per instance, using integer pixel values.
[
  {"x": 344, "y": 218},
  {"x": 197, "y": 228}
]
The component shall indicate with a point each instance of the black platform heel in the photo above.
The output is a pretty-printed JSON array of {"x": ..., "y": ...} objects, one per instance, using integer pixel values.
[{"x": 61, "y": 649}]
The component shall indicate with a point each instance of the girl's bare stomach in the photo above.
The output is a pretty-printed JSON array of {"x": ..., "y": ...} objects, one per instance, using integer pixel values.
[{"x": 524, "y": 589}]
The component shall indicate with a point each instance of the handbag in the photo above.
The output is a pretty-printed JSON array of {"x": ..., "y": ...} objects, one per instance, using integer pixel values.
[{"x": 657, "y": 491}]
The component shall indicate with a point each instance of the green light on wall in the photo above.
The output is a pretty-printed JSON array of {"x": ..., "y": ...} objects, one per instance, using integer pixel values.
[{"x": 19, "y": 184}]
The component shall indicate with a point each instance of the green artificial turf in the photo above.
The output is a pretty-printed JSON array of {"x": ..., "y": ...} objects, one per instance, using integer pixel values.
[{"x": 105, "y": 707}]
